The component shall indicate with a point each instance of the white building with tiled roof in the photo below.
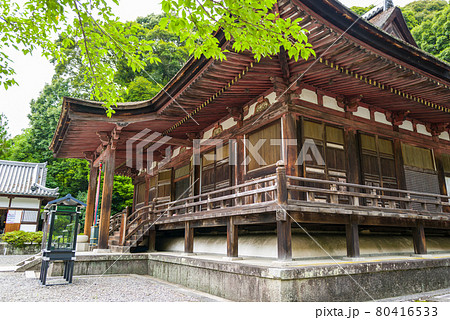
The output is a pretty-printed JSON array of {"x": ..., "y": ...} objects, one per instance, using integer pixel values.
[{"x": 22, "y": 192}]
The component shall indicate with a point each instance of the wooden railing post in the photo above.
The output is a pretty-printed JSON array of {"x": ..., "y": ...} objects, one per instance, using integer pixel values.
[
  {"x": 282, "y": 191},
  {"x": 123, "y": 226}
]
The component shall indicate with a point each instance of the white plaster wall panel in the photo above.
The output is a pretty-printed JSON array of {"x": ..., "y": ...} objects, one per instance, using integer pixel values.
[
  {"x": 309, "y": 95},
  {"x": 422, "y": 130},
  {"x": 331, "y": 103},
  {"x": 444, "y": 136},
  {"x": 176, "y": 152},
  {"x": 265, "y": 245},
  {"x": 28, "y": 227},
  {"x": 272, "y": 97},
  {"x": 362, "y": 113},
  {"x": 4, "y": 202},
  {"x": 229, "y": 123},
  {"x": 381, "y": 118},
  {"x": 251, "y": 111},
  {"x": 407, "y": 125},
  {"x": 26, "y": 203},
  {"x": 207, "y": 135}
]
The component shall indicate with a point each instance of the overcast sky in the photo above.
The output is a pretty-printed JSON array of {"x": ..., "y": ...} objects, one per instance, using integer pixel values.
[{"x": 32, "y": 72}]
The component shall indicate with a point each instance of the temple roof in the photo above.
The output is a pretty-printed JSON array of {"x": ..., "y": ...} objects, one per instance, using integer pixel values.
[
  {"x": 25, "y": 179},
  {"x": 356, "y": 58},
  {"x": 390, "y": 19}
]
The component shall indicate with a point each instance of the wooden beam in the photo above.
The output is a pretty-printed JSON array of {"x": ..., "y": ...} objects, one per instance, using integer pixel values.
[
  {"x": 352, "y": 235},
  {"x": 188, "y": 238},
  {"x": 420, "y": 245},
  {"x": 105, "y": 214},
  {"x": 90, "y": 205},
  {"x": 232, "y": 238}
]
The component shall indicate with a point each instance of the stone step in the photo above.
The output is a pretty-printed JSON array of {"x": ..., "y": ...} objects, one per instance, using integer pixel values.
[{"x": 118, "y": 249}]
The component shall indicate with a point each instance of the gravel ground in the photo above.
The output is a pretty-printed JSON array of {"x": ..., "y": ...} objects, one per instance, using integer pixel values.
[
  {"x": 12, "y": 260},
  {"x": 123, "y": 288}
]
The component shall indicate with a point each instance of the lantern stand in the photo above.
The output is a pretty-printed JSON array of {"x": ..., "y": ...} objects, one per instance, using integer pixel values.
[{"x": 60, "y": 235}]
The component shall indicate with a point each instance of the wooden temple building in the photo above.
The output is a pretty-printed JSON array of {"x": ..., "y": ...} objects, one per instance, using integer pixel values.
[{"x": 376, "y": 107}]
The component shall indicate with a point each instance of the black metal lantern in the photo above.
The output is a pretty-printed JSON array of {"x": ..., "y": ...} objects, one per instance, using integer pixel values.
[{"x": 60, "y": 235}]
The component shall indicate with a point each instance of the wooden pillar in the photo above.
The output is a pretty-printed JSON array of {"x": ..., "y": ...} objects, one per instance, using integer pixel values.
[
  {"x": 420, "y": 245},
  {"x": 440, "y": 171},
  {"x": 147, "y": 189},
  {"x": 284, "y": 234},
  {"x": 352, "y": 235},
  {"x": 188, "y": 238},
  {"x": 152, "y": 239},
  {"x": 353, "y": 164},
  {"x": 105, "y": 214},
  {"x": 399, "y": 168},
  {"x": 284, "y": 239},
  {"x": 239, "y": 169},
  {"x": 232, "y": 238},
  {"x": 290, "y": 152},
  {"x": 90, "y": 205}
]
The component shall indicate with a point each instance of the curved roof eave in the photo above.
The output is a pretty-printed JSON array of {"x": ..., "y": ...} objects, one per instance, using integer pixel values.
[{"x": 334, "y": 13}]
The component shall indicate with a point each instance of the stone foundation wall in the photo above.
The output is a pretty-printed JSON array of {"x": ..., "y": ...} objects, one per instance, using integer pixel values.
[{"x": 239, "y": 282}]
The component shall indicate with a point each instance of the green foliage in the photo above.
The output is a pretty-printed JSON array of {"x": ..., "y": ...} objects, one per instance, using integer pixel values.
[
  {"x": 123, "y": 194},
  {"x": 418, "y": 12},
  {"x": 20, "y": 238},
  {"x": 434, "y": 36},
  {"x": 361, "y": 10},
  {"x": 252, "y": 24},
  {"x": 4, "y": 136},
  {"x": 89, "y": 24}
]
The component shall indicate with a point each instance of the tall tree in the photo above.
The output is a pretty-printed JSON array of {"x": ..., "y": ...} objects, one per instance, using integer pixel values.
[
  {"x": 434, "y": 36},
  {"x": 90, "y": 24},
  {"x": 418, "y": 12}
]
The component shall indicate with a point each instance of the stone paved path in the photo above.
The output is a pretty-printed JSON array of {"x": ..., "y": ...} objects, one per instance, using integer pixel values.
[
  {"x": 120, "y": 288},
  {"x": 11, "y": 260},
  {"x": 442, "y": 295}
]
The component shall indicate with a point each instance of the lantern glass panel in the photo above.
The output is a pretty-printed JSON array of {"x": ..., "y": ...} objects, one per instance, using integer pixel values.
[{"x": 64, "y": 229}]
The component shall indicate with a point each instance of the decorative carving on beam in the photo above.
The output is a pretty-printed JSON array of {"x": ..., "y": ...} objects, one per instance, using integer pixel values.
[
  {"x": 104, "y": 136},
  {"x": 349, "y": 103},
  {"x": 90, "y": 156},
  {"x": 436, "y": 128},
  {"x": 263, "y": 104},
  {"x": 193, "y": 135},
  {"x": 397, "y": 118},
  {"x": 237, "y": 113}
]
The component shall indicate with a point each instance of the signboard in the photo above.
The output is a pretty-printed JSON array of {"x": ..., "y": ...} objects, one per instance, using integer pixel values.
[{"x": 14, "y": 216}]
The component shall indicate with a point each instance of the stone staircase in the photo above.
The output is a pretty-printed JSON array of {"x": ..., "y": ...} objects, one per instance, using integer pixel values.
[{"x": 32, "y": 263}]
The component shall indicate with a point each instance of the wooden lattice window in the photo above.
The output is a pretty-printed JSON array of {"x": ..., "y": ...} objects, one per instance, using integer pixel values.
[
  {"x": 215, "y": 169},
  {"x": 377, "y": 161},
  {"x": 164, "y": 183},
  {"x": 270, "y": 153},
  {"x": 417, "y": 157},
  {"x": 182, "y": 182},
  {"x": 329, "y": 141}
]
